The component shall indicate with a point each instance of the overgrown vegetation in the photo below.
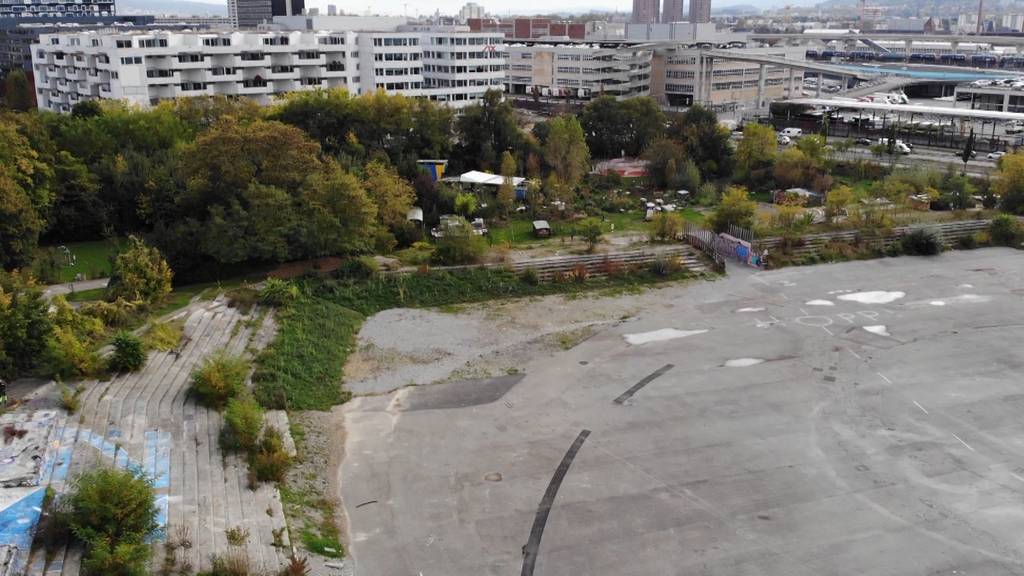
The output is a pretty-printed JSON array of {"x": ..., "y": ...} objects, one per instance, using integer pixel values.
[
  {"x": 112, "y": 512},
  {"x": 220, "y": 378},
  {"x": 129, "y": 353},
  {"x": 921, "y": 242},
  {"x": 1006, "y": 231}
]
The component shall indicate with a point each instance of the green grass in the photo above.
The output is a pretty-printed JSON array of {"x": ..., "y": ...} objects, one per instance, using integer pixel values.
[
  {"x": 318, "y": 518},
  {"x": 302, "y": 368},
  {"x": 85, "y": 295},
  {"x": 92, "y": 259},
  {"x": 520, "y": 229}
]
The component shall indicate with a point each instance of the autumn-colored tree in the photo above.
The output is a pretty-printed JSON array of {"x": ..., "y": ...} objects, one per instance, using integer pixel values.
[
  {"x": 756, "y": 151},
  {"x": 507, "y": 191},
  {"x": 1009, "y": 183},
  {"x": 566, "y": 150},
  {"x": 139, "y": 274},
  {"x": 392, "y": 195},
  {"x": 735, "y": 209}
]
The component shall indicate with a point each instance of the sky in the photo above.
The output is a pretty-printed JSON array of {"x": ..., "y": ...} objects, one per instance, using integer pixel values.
[{"x": 503, "y": 7}]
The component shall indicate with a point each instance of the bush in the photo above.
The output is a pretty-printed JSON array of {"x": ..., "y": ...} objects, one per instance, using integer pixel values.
[
  {"x": 968, "y": 242},
  {"x": 736, "y": 209},
  {"x": 117, "y": 313},
  {"x": 362, "y": 268},
  {"x": 530, "y": 276},
  {"x": 271, "y": 461},
  {"x": 278, "y": 292},
  {"x": 459, "y": 245},
  {"x": 1006, "y": 231},
  {"x": 921, "y": 242},
  {"x": 129, "y": 353},
  {"x": 139, "y": 274},
  {"x": 666, "y": 226},
  {"x": 70, "y": 398},
  {"x": 243, "y": 297},
  {"x": 112, "y": 512},
  {"x": 579, "y": 273},
  {"x": 243, "y": 420},
  {"x": 220, "y": 378},
  {"x": 70, "y": 355},
  {"x": 164, "y": 336},
  {"x": 590, "y": 230},
  {"x": 665, "y": 266}
]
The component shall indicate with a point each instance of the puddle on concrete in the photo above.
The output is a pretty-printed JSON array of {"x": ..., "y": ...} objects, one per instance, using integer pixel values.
[
  {"x": 879, "y": 329},
  {"x": 743, "y": 362},
  {"x": 659, "y": 335},
  {"x": 820, "y": 303},
  {"x": 873, "y": 297}
]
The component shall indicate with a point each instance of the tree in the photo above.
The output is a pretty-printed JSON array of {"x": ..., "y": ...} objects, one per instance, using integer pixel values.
[
  {"x": 959, "y": 192},
  {"x": 507, "y": 192},
  {"x": 392, "y": 195},
  {"x": 756, "y": 151},
  {"x": 662, "y": 153},
  {"x": 968, "y": 151},
  {"x": 566, "y": 150},
  {"x": 590, "y": 230},
  {"x": 736, "y": 209},
  {"x": 485, "y": 129},
  {"x": 793, "y": 168},
  {"x": 1009, "y": 183},
  {"x": 26, "y": 190},
  {"x": 613, "y": 127},
  {"x": 139, "y": 274},
  {"x": 25, "y": 326},
  {"x": 836, "y": 200},
  {"x": 465, "y": 204},
  {"x": 666, "y": 226},
  {"x": 18, "y": 92},
  {"x": 340, "y": 218},
  {"x": 704, "y": 140},
  {"x": 459, "y": 245},
  {"x": 112, "y": 512}
]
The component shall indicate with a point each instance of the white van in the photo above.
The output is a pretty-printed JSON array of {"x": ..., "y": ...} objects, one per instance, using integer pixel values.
[
  {"x": 792, "y": 132},
  {"x": 900, "y": 147}
]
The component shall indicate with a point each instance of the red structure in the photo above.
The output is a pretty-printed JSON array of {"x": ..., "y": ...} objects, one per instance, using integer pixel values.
[{"x": 528, "y": 27}]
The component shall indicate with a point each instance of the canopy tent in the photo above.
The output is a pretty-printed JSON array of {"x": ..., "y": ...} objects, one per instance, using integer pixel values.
[{"x": 477, "y": 177}]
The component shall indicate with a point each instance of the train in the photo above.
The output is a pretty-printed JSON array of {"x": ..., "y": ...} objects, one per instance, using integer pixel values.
[{"x": 975, "y": 60}]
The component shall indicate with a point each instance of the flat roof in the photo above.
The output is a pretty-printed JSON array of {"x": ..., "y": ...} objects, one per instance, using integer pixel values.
[{"x": 911, "y": 109}]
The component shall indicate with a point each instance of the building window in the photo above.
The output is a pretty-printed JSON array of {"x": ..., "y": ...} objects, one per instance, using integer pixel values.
[
  {"x": 332, "y": 40},
  {"x": 216, "y": 41},
  {"x": 123, "y": 43},
  {"x": 131, "y": 60},
  {"x": 568, "y": 70}
]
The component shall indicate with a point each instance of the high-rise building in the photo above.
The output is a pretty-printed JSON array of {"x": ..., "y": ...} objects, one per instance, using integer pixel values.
[
  {"x": 672, "y": 11},
  {"x": 287, "y": 7},
  {"x": 471, "y": 10},
  {"x": 645, "y": 11},
  {"x": 56, "y": 8},
  {"x": 700, "y": 11},
  {"x": 249, "y": 13}
]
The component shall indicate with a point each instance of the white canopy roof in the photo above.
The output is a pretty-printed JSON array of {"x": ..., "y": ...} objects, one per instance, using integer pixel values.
[{"x": 477, "y": 177}]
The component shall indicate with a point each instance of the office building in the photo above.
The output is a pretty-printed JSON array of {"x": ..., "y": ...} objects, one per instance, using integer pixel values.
[
  {"x": 523, "y": 28},
  {"x": 579, "y": 70},
  {"x": 17, "y": 35},
  {"x": 219, "y": 22},
  {"x": 700, "y": 11},
  {"x": 287, "y": 7},
  {"x": 249, "y": 13},
  {"x": 56, "y": 8},
  {"x": 645, "y": 11},
  {"x": 452, "y": 66},
  {"x": 672, "y": 11},
  {"x": 471, "y": 10}
]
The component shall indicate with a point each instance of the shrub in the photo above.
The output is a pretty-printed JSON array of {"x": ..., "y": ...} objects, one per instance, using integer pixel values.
[
  {"x": 530, "y": 276},
  {"x": 362, "y": 268},
  {"x": 921, "y": 242},
  {"x": 112, "y": 512},
  {"x": 459, "y": 245},
  {"x": 968, "y": 242},
  {"x": 278, "y": 292},
  {"x": 129, "y": 353},
  {"x": 163, "y": 336},
  {"x": 665, "y": 266},
  {"x": 271, "y": 461},
  {"x": 219, "y": 378},
  {"x": 579, "y": 273},
  {"x": 117, "y": 313},
  {"x": 1006, "y": 230},
  {"x": 243, "y": 420},
  {"x": 139, "y": 274},
  {"x": 233, "y": 564},
  {"x": 590, "y": 230},
  {"x": 70, "y": 398},
  {"x": 736, "y": 209},
  {"x": 243, "y": 297},
  {"x": 237, "y": 535},
  {"x": 666, "y": 226},
  {"x": 70, "y": 355}
]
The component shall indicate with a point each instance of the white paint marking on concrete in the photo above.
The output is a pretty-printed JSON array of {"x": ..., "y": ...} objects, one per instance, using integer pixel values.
[
  {"x": 937, "y": 303},
  {"x": 839, "y": 292},
  {"x": 825, "y": 328},
  {"x": 971, "y": 298},
  {"x": 820, "y": 303},
  {"x": 660, "y": 335},
  {"x": 855, "y": 355},
  {"x": 873, "y": 297},
  {"x": 879, "y": 329},
  {"x": 751, "y": 310},
  {"x": 966, "y": 286},
  {"x": 887, "y": 381},
  {"x": 1016, "y": 476},
  {"x": 743, "y": 362},
  {"x": 761, "y": 280},
  {"x": 804, "y": 312},
  {"x": 964, "y": 443},
  {"x": 784, "y": 297},
  {"x": 919, "y": 406}
]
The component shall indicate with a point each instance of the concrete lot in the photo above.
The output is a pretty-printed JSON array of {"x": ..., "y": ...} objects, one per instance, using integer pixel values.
[{"x": 787, "y": 439}]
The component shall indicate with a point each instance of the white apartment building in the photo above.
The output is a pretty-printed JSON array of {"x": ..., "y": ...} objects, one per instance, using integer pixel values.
[
  {"x": 143, "y": 68},
  {"x": 580, "y": 70}
]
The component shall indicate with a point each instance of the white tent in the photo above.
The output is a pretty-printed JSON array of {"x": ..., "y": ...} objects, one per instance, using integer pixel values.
[{"x": 477, "y": 177}]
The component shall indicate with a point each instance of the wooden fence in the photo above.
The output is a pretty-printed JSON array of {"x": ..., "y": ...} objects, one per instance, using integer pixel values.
[
  {"x": 947, "y": 232},
  {"x": 599, "y": 264}
]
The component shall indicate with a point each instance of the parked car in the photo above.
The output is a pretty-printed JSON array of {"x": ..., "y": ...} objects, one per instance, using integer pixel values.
[
  {"x": 863, "y": 141},
  {"x": 900, "y": 147},
  {"x": 1014, "y": 128},
  {"x": 792, "y": 132},
  {"x": 995, "y": 155},
  {"x": 783, "y": 140}
]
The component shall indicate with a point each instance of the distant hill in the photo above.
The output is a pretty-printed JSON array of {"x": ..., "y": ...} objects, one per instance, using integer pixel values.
[
  {"x": 736, "y": 10},
  {"x": 175, "y": 7}
]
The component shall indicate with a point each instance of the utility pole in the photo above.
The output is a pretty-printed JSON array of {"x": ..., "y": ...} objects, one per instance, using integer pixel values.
[{"x": 981, "y": 4}]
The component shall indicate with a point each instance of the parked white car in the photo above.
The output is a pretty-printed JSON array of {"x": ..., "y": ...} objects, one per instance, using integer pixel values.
[
  {"x": 783, "y": 140},
  {"x": 792, "y": 132},
  {"x": 995, "y": 155}
]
